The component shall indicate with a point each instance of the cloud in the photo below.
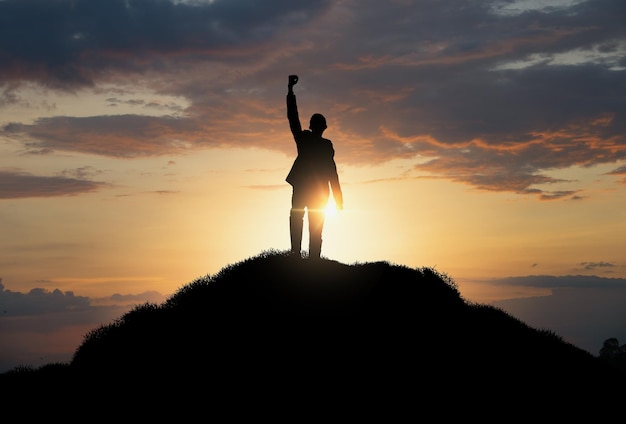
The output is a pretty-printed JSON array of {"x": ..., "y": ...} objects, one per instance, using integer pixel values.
[
  {"x": 149, "y": 296},
  {"x": 619, "y": 171},
  {"x": 566, "y": 281},
  {"x": 119, "y": 136},
  {"x": 16, "y": 184},
  {"x": 43, "y": 326},
  {"x": 73, "y": 42},
  {"x": 594, "y": 265},
  {"x": 38, "y": 301},
  {"x": 83, "y": 172},
  {"x": 494, "y": 95}
]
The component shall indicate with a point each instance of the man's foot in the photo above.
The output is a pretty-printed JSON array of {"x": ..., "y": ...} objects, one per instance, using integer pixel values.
[{"x": 296, "y": 255}]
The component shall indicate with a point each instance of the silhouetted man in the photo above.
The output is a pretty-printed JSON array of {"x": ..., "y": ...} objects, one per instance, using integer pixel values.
[{"x": 312, "y": 173}]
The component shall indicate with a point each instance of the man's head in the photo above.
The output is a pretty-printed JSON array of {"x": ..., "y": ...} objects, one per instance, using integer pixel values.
[{"x": 318, "y": 123}]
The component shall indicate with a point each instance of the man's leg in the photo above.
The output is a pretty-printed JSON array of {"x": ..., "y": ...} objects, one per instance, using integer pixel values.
[
  {"x": 296, "y": 222},
  {"x": 316, "y": 225},
  {"x": 317, "y": 201}
]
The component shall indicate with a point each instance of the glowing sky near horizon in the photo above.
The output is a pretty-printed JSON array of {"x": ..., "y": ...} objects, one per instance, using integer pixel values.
[{"x": 144, "y": 143}]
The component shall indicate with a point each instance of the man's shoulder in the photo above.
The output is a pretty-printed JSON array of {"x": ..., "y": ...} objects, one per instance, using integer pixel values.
[{"x": 315, "y": 140}]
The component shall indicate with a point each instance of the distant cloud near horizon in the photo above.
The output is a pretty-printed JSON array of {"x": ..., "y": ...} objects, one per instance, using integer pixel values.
[
  {"x": 494, "y": 95},
  {"x": 38, "y": 301},
  {"x": 32, "y": 322},
  {"x": 42, "y": 301},
  {"x": 570, "y": 281}
]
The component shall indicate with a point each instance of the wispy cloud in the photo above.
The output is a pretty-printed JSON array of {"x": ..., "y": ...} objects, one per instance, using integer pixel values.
[
  {"x": 594, "y": 265},
  {"x": 17, "y": 184}
]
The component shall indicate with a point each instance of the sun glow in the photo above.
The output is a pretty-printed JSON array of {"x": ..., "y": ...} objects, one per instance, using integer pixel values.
[{"x": 331, "y": 209}]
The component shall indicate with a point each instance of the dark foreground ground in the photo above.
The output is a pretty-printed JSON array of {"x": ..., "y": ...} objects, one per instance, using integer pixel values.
[{"x": 274, "y": 337}]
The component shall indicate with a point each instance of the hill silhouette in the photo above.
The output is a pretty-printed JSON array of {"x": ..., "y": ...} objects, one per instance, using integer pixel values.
[{"x": 304, "y": 338}]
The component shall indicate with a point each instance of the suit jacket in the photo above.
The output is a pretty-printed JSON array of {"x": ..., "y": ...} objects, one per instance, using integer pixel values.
[{"x": 314, "y": 166}]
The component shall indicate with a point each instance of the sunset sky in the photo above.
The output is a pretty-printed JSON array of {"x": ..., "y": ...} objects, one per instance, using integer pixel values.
[{"x": 144, "y": 144}]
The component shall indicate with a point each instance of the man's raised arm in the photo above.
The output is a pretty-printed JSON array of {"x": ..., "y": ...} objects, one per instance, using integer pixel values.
[{"x": 292, "y": 107}]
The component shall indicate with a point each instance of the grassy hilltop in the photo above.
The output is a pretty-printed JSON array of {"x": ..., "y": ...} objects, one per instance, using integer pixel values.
[{"x": 306, "y": 336}]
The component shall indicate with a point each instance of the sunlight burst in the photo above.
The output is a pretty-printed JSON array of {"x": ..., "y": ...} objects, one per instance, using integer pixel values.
[{"x": 331, "y": 209}]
